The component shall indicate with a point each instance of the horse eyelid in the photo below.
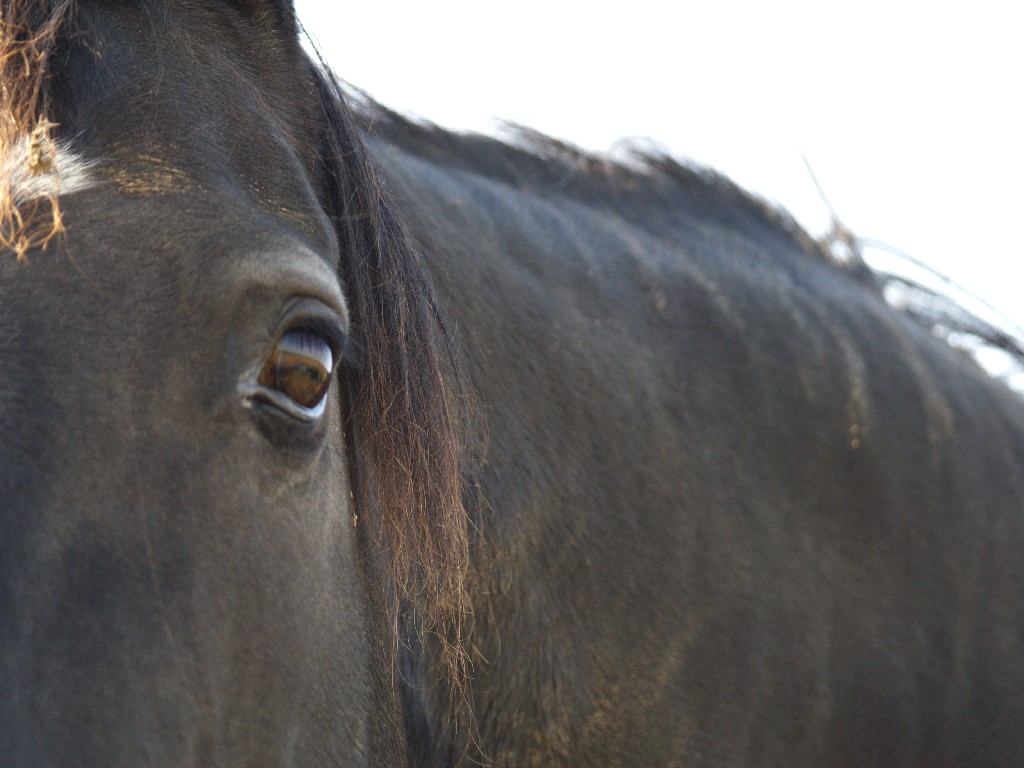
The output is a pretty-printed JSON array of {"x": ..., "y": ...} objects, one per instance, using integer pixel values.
[{"x": 254, "y": 393}]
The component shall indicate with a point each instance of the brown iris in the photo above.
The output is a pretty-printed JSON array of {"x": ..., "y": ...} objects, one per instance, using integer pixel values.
[{"x": 300, "y": 368}]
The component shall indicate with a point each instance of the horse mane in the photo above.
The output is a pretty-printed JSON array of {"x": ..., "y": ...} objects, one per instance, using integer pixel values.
[
  {"x": 646, "y": 187},
  {"x": 650, "y": 189},
  {"x": 29, "y": 31},
  {"x": 409, "y": 411}
]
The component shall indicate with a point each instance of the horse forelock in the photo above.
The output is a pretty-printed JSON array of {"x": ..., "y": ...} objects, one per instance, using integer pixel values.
[
  {"x": 34, "y": 168},
  {"x": 61, "y": 170}
]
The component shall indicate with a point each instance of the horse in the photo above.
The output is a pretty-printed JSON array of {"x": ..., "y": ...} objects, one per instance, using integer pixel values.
[{"x": 334, "y": 439}]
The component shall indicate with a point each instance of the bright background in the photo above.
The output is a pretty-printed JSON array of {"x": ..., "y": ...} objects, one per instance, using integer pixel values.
[{"x": 910, "y": 113}]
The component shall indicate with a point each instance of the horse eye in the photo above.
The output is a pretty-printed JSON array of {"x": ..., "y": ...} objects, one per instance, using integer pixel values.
[{"x": 300, "y": 368}]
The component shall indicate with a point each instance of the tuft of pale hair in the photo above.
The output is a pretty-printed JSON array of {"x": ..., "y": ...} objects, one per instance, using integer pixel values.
[{"x": 30, "y": 215}]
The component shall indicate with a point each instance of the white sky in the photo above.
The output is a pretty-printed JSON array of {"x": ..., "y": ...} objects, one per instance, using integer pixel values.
[{"x": 910, "y": 113}]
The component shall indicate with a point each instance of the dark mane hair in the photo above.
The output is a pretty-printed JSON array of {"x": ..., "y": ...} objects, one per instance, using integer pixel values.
[
  {"x": 645, "y": 187},
  {"x": 409, "y": 411},
  {"x": 655, "y": 192},
  {"x": 29, "y": 30}
]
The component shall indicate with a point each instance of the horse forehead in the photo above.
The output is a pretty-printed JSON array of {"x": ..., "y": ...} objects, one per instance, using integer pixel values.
[
  {"x": 148, "y": 134},
  {"x": 232, "y": 132},
  {"x": 248, "y": 51}
]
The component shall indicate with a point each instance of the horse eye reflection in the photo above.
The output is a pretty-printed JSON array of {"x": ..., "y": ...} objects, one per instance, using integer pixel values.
[{"x": 300, "y": 368}]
